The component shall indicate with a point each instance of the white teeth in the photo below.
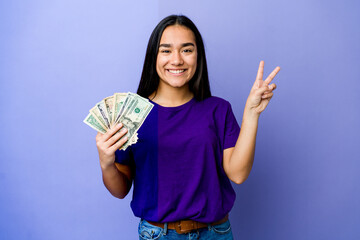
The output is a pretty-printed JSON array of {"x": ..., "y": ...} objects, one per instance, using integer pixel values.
[{"x": 176, "y": 71}]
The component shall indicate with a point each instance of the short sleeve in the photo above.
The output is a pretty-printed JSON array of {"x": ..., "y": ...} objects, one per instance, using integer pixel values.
[
  {"x": 124, "y": 157},
  {"x": 232, "y": 129}
]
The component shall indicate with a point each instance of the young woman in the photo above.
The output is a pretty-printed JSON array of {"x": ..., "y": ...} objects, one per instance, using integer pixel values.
[{"x": 190, "y": 146}]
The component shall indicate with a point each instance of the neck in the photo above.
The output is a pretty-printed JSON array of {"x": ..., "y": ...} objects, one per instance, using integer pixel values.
[{"x": 171, "y": 97}]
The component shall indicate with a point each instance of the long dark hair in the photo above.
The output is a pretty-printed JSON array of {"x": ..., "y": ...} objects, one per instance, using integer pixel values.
[{"x": 198, "y": 85}]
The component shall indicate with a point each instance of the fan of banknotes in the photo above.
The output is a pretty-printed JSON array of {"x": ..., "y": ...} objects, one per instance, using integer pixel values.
[{"x": 129, "y": 109}]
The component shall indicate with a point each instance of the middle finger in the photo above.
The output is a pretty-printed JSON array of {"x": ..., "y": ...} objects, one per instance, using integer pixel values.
[
  {"x": 112, "y": 131},
  {"x": 272, "y": 75},
  {"x": 114, "y": 138}
]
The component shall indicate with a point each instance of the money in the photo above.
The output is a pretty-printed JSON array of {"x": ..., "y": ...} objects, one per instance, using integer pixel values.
[
  {"x": 129, "y": 109},
  {"x": 109, "y": 104},
  {"x": 97, "y": 115},
  {"x": 93, "y": 122},
  {"x": 134, "y": 114},
  {"x": 102, "y": 109},
  {"x": 120, "y": 98}
]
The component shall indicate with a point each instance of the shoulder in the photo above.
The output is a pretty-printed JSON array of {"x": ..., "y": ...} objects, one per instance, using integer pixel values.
[
  {"x": 215, "y": 102},
  {"x": 214, "y": 106}
]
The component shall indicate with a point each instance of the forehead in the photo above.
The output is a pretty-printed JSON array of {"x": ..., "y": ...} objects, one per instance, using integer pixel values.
[{"x": 177, "y": 34}]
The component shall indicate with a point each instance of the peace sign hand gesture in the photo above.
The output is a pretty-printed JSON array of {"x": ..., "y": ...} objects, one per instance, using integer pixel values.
[{"x": 261, "y": 91}]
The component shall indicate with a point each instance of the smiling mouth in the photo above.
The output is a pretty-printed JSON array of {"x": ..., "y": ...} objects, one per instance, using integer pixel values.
[{"x": 176, "y": 71}]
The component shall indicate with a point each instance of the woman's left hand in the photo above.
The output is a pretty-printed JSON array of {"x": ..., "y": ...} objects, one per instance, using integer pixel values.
[{"x": 261, "y": 92}]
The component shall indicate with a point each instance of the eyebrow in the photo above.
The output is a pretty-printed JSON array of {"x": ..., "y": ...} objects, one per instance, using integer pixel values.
[{"x": 167, "y": 45}]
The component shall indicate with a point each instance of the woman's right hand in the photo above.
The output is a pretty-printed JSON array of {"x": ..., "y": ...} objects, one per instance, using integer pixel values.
[{"x": 108, "y": 143}]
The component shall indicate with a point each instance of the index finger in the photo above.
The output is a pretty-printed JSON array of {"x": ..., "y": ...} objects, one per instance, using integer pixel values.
[
  {"x": 272, "y": 75},
  {"x": 112, "y": 131},
  {"x": 260, "y": 72},
  {"x": 98, "y": 136}
]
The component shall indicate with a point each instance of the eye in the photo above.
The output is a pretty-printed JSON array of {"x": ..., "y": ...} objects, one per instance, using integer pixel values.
[
  {"x": 188, "y": 50},
  {"x": 165, "y": 51}
]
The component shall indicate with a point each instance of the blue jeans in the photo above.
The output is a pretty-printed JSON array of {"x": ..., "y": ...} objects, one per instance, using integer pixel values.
[{"x": 218, "y": 232}]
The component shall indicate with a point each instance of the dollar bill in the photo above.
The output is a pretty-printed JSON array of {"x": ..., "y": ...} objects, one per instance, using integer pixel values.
[
  {"x": 138, "y": 96},
  {"x": 129, "y": 97},
  {"x": 109, "y": 104},
  {"x": 93, "y": 122},
  {"x": 118, "y": 103},
  {"x": 97, "y": 114},
  {"x": 124, "y": 106},
  {"x": 134, "y": 139},
  {"x": 102, "y": 109},
  {"x": 134, "y": 115}
]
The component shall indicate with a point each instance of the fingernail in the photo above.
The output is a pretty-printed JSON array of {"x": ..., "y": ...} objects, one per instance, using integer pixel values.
[
  {"x": 123, "y": 130},
  {"x": 119, "y": 125}
]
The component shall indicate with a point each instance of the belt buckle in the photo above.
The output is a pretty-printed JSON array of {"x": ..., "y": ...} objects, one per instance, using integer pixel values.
[{"x": 185, "y": 226}]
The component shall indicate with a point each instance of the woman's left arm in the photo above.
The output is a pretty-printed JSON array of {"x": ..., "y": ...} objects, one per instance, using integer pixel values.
[{"x": 238, "y": 160}]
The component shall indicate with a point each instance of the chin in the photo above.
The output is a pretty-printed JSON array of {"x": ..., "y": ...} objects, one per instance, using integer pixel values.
[{"x": 178, "y": 84}]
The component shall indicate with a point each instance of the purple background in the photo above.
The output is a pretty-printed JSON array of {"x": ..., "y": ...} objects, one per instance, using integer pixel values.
[{"x": 58, "y": 58}]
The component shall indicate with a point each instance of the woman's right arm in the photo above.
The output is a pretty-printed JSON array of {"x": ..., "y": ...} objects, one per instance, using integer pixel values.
[{"x": 117, "y": 178}]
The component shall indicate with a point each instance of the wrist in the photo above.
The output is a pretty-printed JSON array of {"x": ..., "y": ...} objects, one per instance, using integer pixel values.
[
  {"x": 107, "y": 166},
  {"x": 250, "y": 114}
]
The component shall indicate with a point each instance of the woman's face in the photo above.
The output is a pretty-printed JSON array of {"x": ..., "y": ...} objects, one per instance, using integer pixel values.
[{"x": 177, "y": 56}]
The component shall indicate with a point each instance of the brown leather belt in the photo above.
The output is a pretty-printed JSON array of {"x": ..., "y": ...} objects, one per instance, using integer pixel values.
[{"x": 186, "y": 226}]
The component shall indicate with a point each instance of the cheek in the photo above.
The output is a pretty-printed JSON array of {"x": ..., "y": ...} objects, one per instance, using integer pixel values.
[
  {"x": 159, "y": 65},
  {"x": 161, "y": 60},
  {"x": 193, "y": 62}
]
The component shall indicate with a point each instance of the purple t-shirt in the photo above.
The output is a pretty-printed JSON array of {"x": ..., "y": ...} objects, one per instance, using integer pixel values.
[{"x": 178, "y": 162}]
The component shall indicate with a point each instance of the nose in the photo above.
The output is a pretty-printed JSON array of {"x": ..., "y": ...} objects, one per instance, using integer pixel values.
[{"x": 176, "y": 58}]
